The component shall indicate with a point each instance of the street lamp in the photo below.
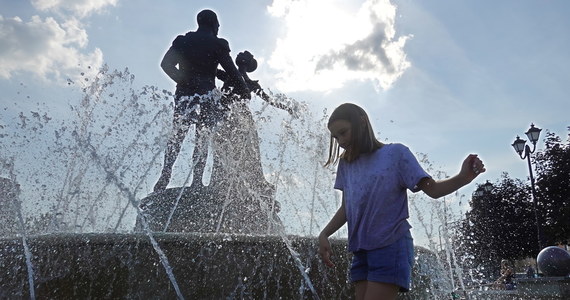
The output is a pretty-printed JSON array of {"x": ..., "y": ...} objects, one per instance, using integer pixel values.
[
  {"x": 524, "y": 152},
  {"x": 483, "y": 189}
]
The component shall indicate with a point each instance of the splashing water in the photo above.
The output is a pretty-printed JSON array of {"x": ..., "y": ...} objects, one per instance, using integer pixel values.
[
  {"x": 445, "y": 277},
  {"x": 113, "y": 179},
  {"x": 88, "y": 171},
  {"x": 11, "y": 194},
  {"x": 88, "y": 165}
]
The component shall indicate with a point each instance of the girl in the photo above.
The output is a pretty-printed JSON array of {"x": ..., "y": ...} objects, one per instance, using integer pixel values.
[{"x": 373, "y": 178}]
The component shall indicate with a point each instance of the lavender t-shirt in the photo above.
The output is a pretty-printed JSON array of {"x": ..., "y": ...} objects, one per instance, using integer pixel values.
[{"x": 374, "y": 190}]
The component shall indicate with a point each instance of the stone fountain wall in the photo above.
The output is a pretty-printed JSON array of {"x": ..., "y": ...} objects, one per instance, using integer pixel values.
[{"x": 205, "y": 266}]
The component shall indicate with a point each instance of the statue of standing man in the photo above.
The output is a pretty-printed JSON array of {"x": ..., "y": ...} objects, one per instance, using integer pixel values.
[{"x": 191, "y": 62}]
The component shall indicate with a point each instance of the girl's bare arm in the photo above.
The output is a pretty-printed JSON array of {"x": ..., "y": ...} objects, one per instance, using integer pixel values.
[
  {"x": 471, "y": 168},
  {"x": 337, "y": 221}
]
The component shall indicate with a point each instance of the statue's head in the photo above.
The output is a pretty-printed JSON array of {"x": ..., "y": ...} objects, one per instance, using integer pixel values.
[
  {"x": 246, "y": 60},
  {"x": 208, "y": 19}
]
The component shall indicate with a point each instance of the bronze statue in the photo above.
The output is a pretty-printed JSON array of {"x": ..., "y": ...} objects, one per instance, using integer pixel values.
[
  {"x": 197, "y": 55},
  {"x": 238, "y": 199}
]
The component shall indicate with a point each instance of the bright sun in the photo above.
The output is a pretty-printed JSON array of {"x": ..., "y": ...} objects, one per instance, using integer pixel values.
[{"x": 327, "y": 43}]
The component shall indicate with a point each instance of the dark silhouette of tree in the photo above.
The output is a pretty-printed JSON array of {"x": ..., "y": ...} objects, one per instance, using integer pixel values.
[
  {"x": 553, "y": 188},
  {"x": 500, "y": 225}
]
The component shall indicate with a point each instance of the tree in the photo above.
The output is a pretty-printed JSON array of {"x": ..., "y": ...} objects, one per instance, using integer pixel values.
[
  {"x": 553, "y": 189},
  {"x": 500, "y": 225}
]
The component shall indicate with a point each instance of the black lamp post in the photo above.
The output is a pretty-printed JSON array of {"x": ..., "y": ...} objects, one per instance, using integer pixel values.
[{"x": 520, "y": 146}]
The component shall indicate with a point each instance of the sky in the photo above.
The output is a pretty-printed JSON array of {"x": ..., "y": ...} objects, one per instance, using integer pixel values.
[{"x": 446, "y": 78}]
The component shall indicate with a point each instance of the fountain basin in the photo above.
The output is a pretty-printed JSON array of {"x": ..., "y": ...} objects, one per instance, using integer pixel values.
[
  {"x": 545, "y": 287},
  {"x": 205, "y": 266},
  {"x": 541, "y": 288}
]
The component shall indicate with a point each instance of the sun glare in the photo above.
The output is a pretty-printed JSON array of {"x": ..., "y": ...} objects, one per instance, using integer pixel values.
[{"x": 327, "y": 43}]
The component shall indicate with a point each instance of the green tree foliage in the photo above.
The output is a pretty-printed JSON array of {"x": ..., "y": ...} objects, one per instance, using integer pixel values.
[
  {"x": 500, "y": 225},
  {"x": 553, "y": 188}
]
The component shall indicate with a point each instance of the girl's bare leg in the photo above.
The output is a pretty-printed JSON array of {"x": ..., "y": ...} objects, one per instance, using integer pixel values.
[{"x": 370, "y": 290}]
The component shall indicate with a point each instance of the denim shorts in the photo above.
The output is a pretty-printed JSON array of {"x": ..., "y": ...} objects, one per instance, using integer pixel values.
[{"x": 390, "y": 264}]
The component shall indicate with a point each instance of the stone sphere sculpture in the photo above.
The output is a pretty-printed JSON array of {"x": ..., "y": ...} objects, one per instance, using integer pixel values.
[{"x": 554, "y": 261}]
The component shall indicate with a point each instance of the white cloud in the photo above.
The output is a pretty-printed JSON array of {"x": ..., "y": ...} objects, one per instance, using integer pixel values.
[
  {"x": 54, "y": 47},
  {"x": 45, "y": 48},
  {"x": 327, "y": 44},
  {"x": 79, "y": 8}
]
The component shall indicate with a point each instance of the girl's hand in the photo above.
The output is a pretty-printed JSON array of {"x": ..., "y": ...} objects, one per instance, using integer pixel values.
[
  {"x": 325, "y": 251},
  {"x": 472, "y": 166}
]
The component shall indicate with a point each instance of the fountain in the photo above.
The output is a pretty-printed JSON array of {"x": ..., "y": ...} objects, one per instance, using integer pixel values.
[
  {"x": 80, "y": 224},
  {"x": 77, "y": 220}
]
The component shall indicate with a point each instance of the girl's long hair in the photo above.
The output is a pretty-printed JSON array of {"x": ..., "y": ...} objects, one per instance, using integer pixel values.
[{"x": 363, "y": 139}]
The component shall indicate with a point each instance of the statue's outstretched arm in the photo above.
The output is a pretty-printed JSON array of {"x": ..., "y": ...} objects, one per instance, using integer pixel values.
[{"x": 256, "y": 87}]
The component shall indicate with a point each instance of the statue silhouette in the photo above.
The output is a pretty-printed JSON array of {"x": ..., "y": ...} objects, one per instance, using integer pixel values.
[
  {"x": 238, "y": 199},
  {"x": 237, "y": 173},
  {"x": 197, "y": 55},
  {"x": 247, "y": 64}
]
